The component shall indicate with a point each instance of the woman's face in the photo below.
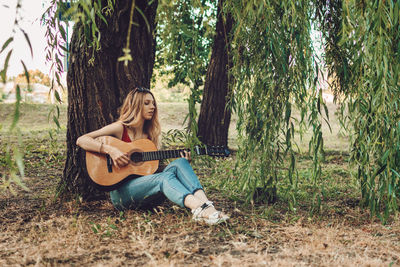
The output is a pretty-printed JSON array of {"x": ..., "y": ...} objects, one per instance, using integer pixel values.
[{"x": 149, "y": 106}]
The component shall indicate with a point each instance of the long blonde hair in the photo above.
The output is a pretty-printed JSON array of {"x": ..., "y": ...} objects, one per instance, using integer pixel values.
[{"x": 131, "y": 112}]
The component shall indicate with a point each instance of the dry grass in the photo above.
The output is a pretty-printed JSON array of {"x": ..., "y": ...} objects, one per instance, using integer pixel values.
[
  {"x": 63, "y": 235},
  {"x": 37, "y": 230}
]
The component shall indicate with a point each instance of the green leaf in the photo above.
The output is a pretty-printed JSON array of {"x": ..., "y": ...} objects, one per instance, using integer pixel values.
[
  {"x": 25, "y": 71},
  {"x": 55, "y": 119},
  {"x": 395, "y": 172},
  {"x": 144, "y": 17},
  {"x": 380, "y": 170},
  {"x": 19, "y": 161},
  {"x": 4, "y": 71},
  {"x": 326, "y": 112},
  {"x": 6, "y": 43},
  {"x": 17, "y": 106},
  {"x": 94, "y": 229},
  {"x": 57, "y": 96},
  {"x": 384, "y": 157},
  {"x": 319, "y": 100},
  {"x": 28, "y": 41},
  {"x": 64, "y": 48},
  {"x": 62, "y": 32}
]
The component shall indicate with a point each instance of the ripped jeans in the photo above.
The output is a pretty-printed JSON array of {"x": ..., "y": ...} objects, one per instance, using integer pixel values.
[{"x": 176, "y": 182}]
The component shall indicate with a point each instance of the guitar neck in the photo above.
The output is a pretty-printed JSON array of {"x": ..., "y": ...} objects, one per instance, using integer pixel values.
[{"x": 167, "y": 154}]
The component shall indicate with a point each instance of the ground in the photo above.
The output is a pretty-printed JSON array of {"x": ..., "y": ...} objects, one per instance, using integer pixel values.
[{"x": 37, "y": 229}]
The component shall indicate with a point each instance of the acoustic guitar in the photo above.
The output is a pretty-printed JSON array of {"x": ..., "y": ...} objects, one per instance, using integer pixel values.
[{"x": 144, "y": 160}]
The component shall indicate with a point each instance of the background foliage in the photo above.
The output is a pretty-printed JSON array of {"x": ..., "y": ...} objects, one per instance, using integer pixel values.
[{"x": 185, "y": 31}]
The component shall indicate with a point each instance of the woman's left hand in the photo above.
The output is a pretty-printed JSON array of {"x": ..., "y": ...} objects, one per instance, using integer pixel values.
[{"x": 186, "y": 155}]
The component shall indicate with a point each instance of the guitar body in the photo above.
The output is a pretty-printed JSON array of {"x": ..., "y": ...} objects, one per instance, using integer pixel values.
[{"x": 99, "y": 168}]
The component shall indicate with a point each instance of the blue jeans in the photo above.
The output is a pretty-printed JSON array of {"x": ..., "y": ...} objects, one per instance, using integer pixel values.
[{"x": 176, "y": 182}]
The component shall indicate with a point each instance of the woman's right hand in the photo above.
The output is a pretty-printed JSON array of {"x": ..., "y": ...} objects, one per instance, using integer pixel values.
[
  {"x": 88, "y": 143},
  {"x": 119, "y": 158}
]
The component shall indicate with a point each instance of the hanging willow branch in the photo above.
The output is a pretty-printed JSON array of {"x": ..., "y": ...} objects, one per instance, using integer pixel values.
[
  {"x": 127, "y": 51},
  {"x": 13, "y": 157},
  {"x": 329, "y": 17},
  {"x": 371, "y": 35},
  {"x": 274, "y": 68}
]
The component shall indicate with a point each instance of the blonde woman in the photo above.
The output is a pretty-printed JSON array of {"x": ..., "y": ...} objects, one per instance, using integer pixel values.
[{"x": 178, "y": 182}]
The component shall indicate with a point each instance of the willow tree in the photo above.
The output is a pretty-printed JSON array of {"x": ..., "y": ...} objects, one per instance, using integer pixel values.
[{"x": 97, "y": 80}]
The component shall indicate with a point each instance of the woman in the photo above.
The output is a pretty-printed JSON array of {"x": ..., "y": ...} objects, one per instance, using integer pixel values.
[{"x": 139, "y": 120}]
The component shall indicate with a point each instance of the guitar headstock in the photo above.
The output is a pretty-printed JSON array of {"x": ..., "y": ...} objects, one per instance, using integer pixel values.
[{"x": 214, "y": 151}]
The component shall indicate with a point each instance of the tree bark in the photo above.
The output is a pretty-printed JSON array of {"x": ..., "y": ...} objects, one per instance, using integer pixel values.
[
  {"x": 214, "y": 118},
  {"x": 96, "y": 91}
]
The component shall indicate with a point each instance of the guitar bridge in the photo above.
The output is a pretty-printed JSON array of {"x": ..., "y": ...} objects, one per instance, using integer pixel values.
[{"x": 109, "y": 163}]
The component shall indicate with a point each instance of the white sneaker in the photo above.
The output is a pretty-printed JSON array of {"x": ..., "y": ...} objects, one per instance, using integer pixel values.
[{"x": 214, "y": 218}]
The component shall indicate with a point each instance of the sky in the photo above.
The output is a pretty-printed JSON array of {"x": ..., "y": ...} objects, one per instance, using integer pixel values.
[{"x": 29, "y": 15}]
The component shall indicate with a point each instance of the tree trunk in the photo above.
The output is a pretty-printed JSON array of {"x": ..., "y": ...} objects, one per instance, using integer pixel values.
[
  {"x": 214, "y": 118},
  {"x": 96, "y": 91}
]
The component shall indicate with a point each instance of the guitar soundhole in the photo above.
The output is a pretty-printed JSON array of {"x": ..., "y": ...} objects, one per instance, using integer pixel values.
[{"x": 136, "y": 157}]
